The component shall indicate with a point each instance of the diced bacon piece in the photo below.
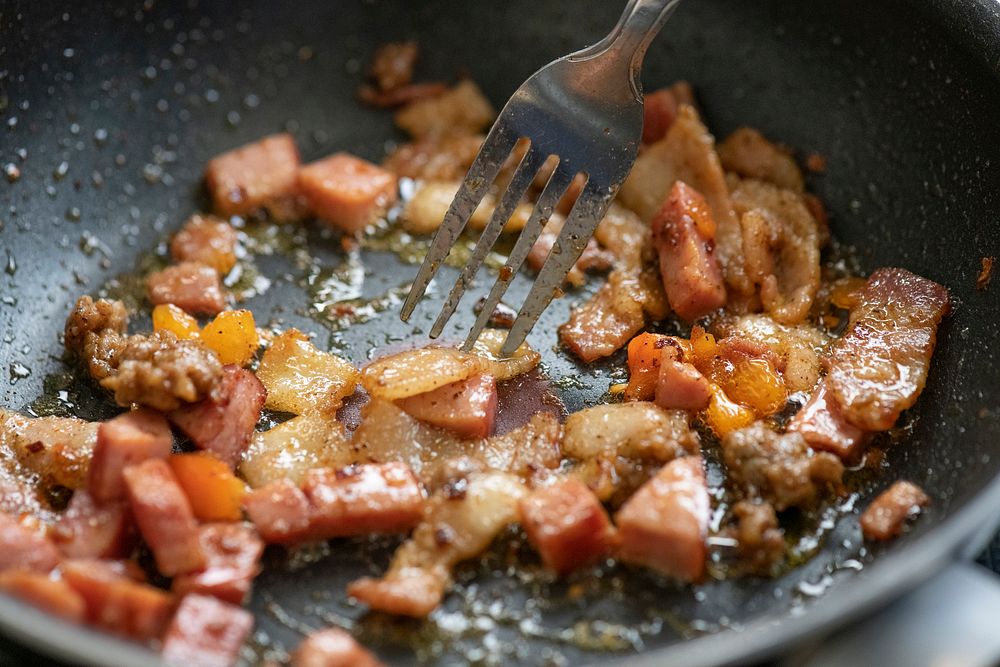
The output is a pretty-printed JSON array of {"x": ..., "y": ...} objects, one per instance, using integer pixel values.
[
  {"x": 224, "y": 427},
  {"x": 280, "y": 512},
  {"x": 193, "y": 287},
  {"x": 116, "y": 603},
  {"x": 748, "y": 153},
  {"x": 455, "y": 527},
  {"x": 886, "y": 516},
  {"x": 660, "y": 108},
  {"x": 363, "y": 499},
  {"x": 332, "y": 647},
  {"x": 613, "y": 315},
  {"x": 127, "y": 439},
  {"x": 258, "y": 175},
  {"x": 232, "y": 560},
  {"x": 684, "y": 236},
  {"x": 91, "y": 530},
  {"x": 54, "y": 596},
  {"x": 824, "y": 427},
  {"x": 206, "y": 632},
  {"x": 664, "y": 524},
  {"x": 568, "y": 526},
  {"x": 393, "y": 63},
  {"x": 467, "y": 408},
  {"x": 409, "y": 591},
  {"x": 461, "y": 110},
  {"x": 879, "y": 366},
  {"x": 687, "y": 153},
  {"x": 411, "y": 92},
  {"x": 346, "y": 191},
  {"x": 58, "y": 449},
  {"x": 24, "y": 548},
  {"x": 680, "y": 385},
  {"x": 164, "y": 517},
  {"x": 205, "y": 239}
]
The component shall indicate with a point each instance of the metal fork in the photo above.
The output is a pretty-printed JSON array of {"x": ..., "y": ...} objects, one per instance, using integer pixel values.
[{"x": 585, "y": 109}]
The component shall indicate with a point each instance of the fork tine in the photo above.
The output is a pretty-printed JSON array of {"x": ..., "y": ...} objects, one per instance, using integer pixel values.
[
  {"x": 554, "y": 189},
  {"x": 496, "y": 147},
  {"x": 587, "y": 212},
  {"x": 530, "y": 162}
]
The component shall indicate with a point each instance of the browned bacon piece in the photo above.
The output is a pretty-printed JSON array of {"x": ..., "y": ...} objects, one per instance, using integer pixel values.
[
  {"x": 190, "y": 286},
  {"x": 164, "y": 517},
  {"x": 280, "y": 512},
  {"x": 363, "y": 500},
  {"x": 680, "y": 385},
  {"x": 411, "y": 92},
  {"x": 88, "y": 529},
  {"x": 116, "y": 603},
  {"x": 467, "y": 408},
  {"x": 659, "y": 110},
  {"x": 747, "y": 152},
  {"x": 461, "y": 520},
  {"x": 205, "y": 632},
  {"x": 53, "y": 596},
  {"x": 823, "y": 426},
  {"x": 567, "y": 524},
  {"x": 613, "y": 315},
  {"x": 887, "y": 515},
  {"x": 225, "y": 426},
  {"x": 761, "y": 540},
  {"x": 684, "y": 236},
  {"x": 664, "y": 524},
  {"x": 127, "y": 439},
  {"x": 258, "y": 175},
  {"x": 232, "y": 560},
  {"x": 205, "y": 239},
  {"x": 57, "y": 449},
  {"x": 25, "y": 548},
  {"x": 332, "y": 647},
  {"x": 346, "y": 191},
  {"x": 879, "y": 367}
]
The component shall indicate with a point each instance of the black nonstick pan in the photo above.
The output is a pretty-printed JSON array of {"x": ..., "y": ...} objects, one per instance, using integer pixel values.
[{"x": 110, "y": 111}]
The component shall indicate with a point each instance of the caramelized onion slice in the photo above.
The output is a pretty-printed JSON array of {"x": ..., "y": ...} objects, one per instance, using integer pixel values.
[{"x": 418, "y": 371}]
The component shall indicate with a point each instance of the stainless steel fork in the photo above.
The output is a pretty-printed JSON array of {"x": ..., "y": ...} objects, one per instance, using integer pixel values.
[{"x": 585, "y": 109}]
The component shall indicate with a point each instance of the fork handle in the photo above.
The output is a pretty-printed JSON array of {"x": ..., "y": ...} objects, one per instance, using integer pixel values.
[{"x": 635, "y": 30}]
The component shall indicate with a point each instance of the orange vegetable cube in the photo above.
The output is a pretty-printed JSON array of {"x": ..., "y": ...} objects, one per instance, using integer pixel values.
[
  {"x": 346, "y": 191},
  {"x": 233, "y": 336},
  {"x": 703, "y": 346},
  {"x": 215, "y": 493},
  {"x": 755, "y": 383},
  {"x": 168, "y": 317},
  {"x": 724, "y": 415}
]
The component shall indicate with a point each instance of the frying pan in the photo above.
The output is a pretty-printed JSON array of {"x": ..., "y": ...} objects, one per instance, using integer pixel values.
[{"x": 111, "y": 110}]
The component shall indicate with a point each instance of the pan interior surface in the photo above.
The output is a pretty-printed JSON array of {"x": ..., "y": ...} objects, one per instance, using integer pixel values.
[{"x": 118, "y": 107}]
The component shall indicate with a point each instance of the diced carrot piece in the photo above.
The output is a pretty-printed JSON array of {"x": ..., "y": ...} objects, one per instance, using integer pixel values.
[
  {"x": 644, "y": 352},
  {"x": 346, "y": 191},
  {"x": 643, "y": 366},
  {"x": 703, "y": 346},
  {"x": 724, "y": 415},
  {"x": 168, "y": 317},
  {"x": 233, "y": 336},
  {"x": 754, "y": 383},
  {"x": 214, "y": 492}
]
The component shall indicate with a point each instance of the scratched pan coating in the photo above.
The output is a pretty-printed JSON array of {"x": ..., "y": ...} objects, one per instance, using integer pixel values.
[{"x": 900, "y": 97}]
